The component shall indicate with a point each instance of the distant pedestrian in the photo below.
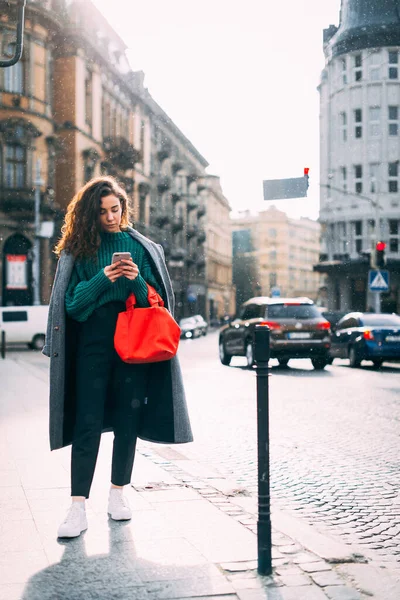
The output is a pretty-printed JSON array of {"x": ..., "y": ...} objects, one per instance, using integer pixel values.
[{"x": 91, "y": 389}]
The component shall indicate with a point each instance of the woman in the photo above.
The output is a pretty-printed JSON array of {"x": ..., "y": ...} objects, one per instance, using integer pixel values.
[{"x": 91, "y": 389}]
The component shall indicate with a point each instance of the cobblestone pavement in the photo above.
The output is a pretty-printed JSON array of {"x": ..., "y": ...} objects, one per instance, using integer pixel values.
[{"x": 334, "y": 439}]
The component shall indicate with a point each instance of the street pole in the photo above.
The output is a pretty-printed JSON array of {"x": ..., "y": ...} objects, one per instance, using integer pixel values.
[
  {"x": 261, "y": 354},
  {"x": 378, "y": 234},
  {"x": 36, "y": 247}
]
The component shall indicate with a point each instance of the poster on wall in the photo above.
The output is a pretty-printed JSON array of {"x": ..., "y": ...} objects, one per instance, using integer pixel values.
[{"x": 16, "y": 272}]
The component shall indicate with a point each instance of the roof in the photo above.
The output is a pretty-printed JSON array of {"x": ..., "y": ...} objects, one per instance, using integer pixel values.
[{"x": 278, "y": 300}]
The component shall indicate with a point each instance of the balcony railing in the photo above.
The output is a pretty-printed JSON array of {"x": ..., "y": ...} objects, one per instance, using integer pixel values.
[
  {"x": 162, "y": 218},
  {"x": 192, "y": 202},
  {"x": 201, "y": 236},
  {"x": 177, "y": 224},
  {"x": 121, "y": 153},
  {"x": 163, "y": 183},
  {"x": 201, "y": 211},
  {"x": 178, "y": 253},
  {"x": 191, "y": 230},
  {"x": 19, "y": 200},
  {"x": 164, "y": 150}
]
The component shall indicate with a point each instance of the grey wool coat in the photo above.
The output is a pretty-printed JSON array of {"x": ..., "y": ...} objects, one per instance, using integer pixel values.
[{"x": 164, "y": 419}]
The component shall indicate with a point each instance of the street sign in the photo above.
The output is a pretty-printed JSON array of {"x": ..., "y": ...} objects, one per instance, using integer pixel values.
[
  {"x": 378, "y": 281},
  {"x": 275, "y": 292},
  {"x": 282, "y": 189}
]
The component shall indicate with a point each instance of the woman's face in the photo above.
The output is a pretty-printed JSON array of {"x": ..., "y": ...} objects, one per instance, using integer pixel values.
[{"x": 110, "y": 214}]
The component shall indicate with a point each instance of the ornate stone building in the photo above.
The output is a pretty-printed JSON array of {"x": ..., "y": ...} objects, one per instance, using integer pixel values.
[
  {"x": 73, "y": 103},
  {"x": 360, "y": 150}
]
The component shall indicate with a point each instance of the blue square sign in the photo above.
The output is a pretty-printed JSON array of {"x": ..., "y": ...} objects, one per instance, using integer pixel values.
[{"x": 378, "y": 281}]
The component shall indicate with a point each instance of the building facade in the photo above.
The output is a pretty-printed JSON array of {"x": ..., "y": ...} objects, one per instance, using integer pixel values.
[
  {"x": 360, "y": 151},
  {"x": 283, "y": 250},
  {"x": 74, "y": 104}
]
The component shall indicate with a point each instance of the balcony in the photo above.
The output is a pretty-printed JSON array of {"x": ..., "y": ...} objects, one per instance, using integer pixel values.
[
  {"x": 201, "y": 211},
  {"x": 201, "y": 236},
  {"x": 177, "y": 224},
  {"x": 121, "y": 153},
  {"x": 162, "y": 218},
  {"x": 176, "y": 196},
  {"x": 164, "y": 150},
  {"x": 178, "y": 253},
  {"x": 22, "y": 200},
  {"x": 192, "y": 202},
  {"x": 191, "y": 230},
  {"x": 201, "y": 262},
  {"x": 163, "y": 183}
]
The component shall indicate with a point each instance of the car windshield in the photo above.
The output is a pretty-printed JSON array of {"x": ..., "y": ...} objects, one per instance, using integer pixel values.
[
  {"x": 188, "y": 321},
  {"x": 381, "y": 320},
  {"x": 293, "y": 311}
]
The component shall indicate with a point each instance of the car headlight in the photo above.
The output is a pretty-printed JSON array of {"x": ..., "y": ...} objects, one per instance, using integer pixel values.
[{"x": 188, "y": 334}]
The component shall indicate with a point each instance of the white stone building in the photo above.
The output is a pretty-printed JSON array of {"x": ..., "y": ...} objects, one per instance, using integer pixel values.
[{"x": 360, "y": 151}]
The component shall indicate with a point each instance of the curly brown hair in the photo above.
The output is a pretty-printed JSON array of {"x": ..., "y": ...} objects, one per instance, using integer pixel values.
[{"x": 81, "y": 231}]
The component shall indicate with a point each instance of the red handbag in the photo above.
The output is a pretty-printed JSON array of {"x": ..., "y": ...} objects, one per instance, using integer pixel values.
[{"x": 146, "y": 335}]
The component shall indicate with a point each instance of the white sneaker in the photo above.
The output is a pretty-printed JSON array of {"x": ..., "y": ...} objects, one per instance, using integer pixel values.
[
  {"x": 75, "y": 521},
  {"x": 118, "y": 507}
]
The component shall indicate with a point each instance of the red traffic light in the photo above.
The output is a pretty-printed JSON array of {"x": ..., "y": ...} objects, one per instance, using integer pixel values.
[
  {"x": 380, "y": 246},
  {"x": 306, "y": 170}
]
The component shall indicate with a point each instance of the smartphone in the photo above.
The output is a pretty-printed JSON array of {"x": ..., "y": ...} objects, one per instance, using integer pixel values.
[{"x": 117, "y": 256}]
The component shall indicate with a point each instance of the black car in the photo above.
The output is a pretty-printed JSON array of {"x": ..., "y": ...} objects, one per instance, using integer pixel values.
[
  {"x": 367, "y": 336},
  {"x": 297, "y": 330}
]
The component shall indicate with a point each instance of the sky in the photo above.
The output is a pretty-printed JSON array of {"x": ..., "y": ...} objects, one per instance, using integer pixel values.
[{"x": 240, "y": 81}]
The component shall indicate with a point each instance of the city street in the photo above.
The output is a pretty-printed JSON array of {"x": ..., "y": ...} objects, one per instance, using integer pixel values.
[{"x": 334, "y": 438}]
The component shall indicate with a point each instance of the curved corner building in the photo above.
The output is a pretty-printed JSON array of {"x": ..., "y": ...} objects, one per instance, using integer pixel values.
[{"x": 360, "y": 152}]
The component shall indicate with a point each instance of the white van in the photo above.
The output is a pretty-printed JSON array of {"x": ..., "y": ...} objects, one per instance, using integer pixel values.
[{"x": 24, "y": 325}]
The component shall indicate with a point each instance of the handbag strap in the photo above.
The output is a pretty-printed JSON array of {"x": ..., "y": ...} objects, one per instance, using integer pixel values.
[{"x": 153, "y": 298}]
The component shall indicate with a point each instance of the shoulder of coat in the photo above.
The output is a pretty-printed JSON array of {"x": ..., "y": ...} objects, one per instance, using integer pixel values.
[{"x": 142, "y": 238}]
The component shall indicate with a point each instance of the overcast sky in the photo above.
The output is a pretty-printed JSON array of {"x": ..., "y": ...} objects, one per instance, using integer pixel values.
[{"x": 239, "y": 79}]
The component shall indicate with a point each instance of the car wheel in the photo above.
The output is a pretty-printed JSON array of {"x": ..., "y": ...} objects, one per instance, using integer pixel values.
[
  {"x": 249, "y": 354},
  {"x": 283, "y": 362},
  {"x": 38, "y": 342},
  {"x": 319, "y": 363},
  {"x": 377, "y": 363},
  {"x": 353, "y": 358},
  {"x": 223, "y": 356}
]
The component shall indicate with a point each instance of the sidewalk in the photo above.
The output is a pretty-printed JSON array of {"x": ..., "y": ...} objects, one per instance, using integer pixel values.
[{"x": 192, "y": 534}]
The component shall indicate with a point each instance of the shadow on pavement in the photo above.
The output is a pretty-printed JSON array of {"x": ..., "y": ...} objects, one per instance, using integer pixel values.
[
  {"x": 102, "y": 577},
  {"x": 292, "y": 372}
]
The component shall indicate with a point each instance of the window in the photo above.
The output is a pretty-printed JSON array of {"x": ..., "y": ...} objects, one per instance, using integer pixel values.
[
  {"x": 393, "y": 64},
  {"x": 394, "y": 230},
  {"x": 272, "y": 233},
  {"x": 142, "y": 136},
  {"x": 393, "y": 172},
  {"x": 393, "y": 120},
  {"x": 375, "y": 66},
  {"x": 252, "y": 311},
  {"x": 343, "y": 126},
  {"x": 358, "y": 121},
  {"x": 374, "y": 121},
  {"x": 357, "y": 67},
  {"x": 343, "y": 174},
  {"x": 374, "y": 177},
  {"x": 292, "y": 311},
  {"x": 14, "y": 76},
  {"x": 358, "y": 178},
  {"x": 357, "y": 235},
  {"x": 272, "y": 255},
  {"x": 88, "y": 99},
  {"x": 344, "y": 70},
  {"x": 15, "y": 162},
  {"x": 272, "y": 280}
]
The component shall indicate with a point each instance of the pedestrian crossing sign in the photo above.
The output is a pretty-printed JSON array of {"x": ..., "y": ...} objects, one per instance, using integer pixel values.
[{"x": 378, "y": 281}]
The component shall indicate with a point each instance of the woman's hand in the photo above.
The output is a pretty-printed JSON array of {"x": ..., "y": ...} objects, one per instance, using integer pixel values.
[
  {"x": 113, "y": 272},
  {"x": 129, "y": 269}
]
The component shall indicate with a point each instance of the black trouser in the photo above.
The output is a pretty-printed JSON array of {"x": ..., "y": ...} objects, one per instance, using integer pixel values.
[{"x": 101, "y": 374}]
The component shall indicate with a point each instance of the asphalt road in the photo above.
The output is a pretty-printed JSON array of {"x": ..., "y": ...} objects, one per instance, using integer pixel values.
[{"x": 334, "y": 438}]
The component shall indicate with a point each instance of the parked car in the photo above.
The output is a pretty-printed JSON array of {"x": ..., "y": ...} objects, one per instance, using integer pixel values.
[
  {"x": 297, "y": 331},
  {"x": 367, "y": 336},
  {"x": 333, "y": 316},
  {"x": 201, "y": 323},
  {"x": 24, "y": 325},
  {"x": 189, "y": 328}
]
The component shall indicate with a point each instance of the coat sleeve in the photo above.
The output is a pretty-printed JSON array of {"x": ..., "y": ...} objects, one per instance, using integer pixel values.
[{"x": 47, "y": 346}]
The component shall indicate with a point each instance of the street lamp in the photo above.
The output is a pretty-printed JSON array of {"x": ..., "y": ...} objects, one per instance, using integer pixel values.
[{"x": 19, "y": 43}]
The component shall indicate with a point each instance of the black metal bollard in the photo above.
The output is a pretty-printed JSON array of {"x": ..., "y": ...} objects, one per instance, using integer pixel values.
[
  {"x": 3, "y": 344},
  {"x": 261, "y": 355}
]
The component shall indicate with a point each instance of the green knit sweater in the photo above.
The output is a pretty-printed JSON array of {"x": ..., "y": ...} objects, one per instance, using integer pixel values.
[{"x": 90, "y": 288}]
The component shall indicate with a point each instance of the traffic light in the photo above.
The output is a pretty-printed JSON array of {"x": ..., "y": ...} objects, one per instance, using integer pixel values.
[
  {"x": 380, "y": 258},
  {"x": 306, "y": 175}
]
